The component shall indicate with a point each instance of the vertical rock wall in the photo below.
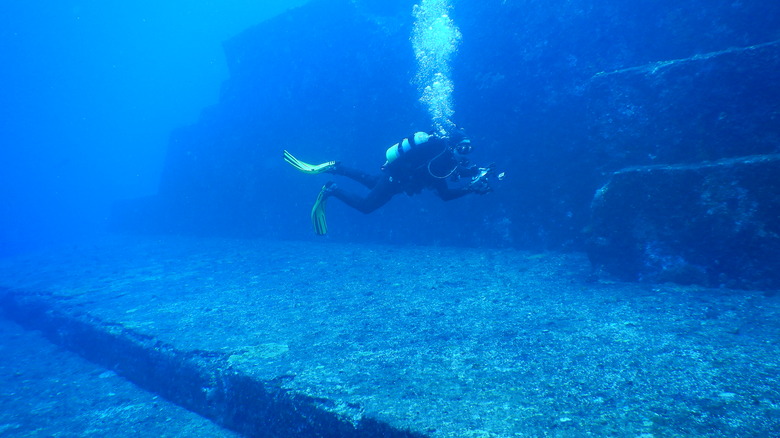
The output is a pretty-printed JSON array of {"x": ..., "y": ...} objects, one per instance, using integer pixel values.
[{"x": 559, "y": 94}]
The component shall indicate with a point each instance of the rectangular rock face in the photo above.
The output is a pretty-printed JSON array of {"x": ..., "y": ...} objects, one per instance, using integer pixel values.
[{"x": 714, "y": 223}]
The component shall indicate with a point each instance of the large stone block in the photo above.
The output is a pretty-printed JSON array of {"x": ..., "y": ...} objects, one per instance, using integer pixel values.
[{"x": 713, "y": 223}]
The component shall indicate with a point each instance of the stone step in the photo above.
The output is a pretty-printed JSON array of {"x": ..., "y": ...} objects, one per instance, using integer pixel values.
[
  {"x": 713, "y": 223},
  {"x": 48, "y": 391}
]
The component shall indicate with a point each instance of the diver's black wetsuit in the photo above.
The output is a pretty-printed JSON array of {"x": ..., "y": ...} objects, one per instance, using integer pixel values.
[{"x": 426, "y": 167}]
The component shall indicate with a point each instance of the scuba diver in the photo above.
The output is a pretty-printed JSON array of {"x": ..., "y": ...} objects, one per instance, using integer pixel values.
[{"x": 421, "y": 161}]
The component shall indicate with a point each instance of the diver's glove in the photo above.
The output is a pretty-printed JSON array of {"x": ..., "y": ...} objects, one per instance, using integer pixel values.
[
  {"x": 479, "y": 183},
  {"x": 311, "y": 169},
  {"x": 480, "y": 187}
]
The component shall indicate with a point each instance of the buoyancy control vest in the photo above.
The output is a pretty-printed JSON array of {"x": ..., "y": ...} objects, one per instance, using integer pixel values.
[{"x": 415, "y": 160}]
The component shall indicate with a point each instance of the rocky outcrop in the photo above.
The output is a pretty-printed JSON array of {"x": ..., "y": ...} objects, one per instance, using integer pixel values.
[{"x": 712, "y": 223}]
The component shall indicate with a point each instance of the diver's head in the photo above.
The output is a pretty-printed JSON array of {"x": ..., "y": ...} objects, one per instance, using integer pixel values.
[
  {"x": 459, "y": 142},
  {"x": 463, "y": 147}
]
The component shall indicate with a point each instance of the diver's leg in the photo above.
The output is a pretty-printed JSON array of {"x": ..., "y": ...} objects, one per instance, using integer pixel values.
[
  {"x": 363, "y": 178},
  {"x": 383, "y": 191}
]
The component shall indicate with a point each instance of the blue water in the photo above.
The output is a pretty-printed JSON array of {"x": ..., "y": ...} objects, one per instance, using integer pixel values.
[
  {"x": 94, "y": 92},
  {"x": 91, "y": 92},
  {"x": 104, "y": 103},
  {"x": 645, "y": 134}
]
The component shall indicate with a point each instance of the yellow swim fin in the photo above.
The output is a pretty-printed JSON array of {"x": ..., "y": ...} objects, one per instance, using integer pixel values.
[
  {"x": 318, "y": 211},
  {"x": 311, "y": 169}
]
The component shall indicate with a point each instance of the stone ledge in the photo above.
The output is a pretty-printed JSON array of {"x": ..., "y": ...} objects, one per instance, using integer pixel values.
[
  {"x": 714, "y": 223},
  {"x": 200, "y": 381}
]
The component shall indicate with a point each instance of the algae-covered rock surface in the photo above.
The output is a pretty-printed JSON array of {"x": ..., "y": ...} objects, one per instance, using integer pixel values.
[
  {"x": 46, "y": 391},
  {"x": 412, "y": 341},
  {"x": 708, "y": 223}
]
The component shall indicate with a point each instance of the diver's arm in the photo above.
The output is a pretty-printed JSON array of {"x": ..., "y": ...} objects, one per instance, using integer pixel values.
[
  {"x": 478, "y": 184},
  {"x": 447, "y": 193}
]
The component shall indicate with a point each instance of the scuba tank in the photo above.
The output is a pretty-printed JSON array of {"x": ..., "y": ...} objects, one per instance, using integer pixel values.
[{"x": 402, "y": 147}]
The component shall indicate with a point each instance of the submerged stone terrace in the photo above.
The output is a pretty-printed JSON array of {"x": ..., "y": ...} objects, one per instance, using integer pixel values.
[{"x": 273, "y": 338}]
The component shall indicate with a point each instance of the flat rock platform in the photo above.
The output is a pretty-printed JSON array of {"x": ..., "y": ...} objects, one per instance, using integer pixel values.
[
  {"x": 323, "y": 339},
  {"x": 47, "y": 391}
]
